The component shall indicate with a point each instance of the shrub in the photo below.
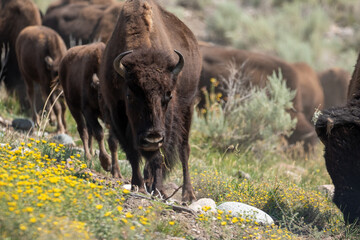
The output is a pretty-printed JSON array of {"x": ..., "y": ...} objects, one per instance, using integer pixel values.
[{"x": 249, "y": 115}]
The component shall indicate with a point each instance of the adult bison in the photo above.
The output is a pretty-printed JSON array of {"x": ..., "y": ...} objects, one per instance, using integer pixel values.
[
  {"x": 148, "y": 79},
  {"x": 335, "y": 84},
  {"x": 256, "y": 67},
  {"x": 312, "y": 95},
  {"x": 339, "y": 129},
  {"x": 83, "y": 21},
  {"x": 78, "y": 77},
  {"x": 61, "y": 3},
  {"x": 15, "y": 15},
  {"x": 39, "y": 50},
  {"x": 75, "y": 21}
]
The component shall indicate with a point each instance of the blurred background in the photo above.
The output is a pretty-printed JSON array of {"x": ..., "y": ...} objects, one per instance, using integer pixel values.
[{"x": 322, "y": 33}]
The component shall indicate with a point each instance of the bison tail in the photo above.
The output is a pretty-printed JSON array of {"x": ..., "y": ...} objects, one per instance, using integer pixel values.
[{"x": 337, "y": 117}]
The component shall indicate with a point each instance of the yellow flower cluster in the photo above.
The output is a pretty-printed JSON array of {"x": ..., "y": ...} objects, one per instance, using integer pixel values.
[{"x": 43, "y": 197}]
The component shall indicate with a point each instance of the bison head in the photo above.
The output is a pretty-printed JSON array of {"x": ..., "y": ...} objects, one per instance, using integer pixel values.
[{"x": 150, "y": 79}]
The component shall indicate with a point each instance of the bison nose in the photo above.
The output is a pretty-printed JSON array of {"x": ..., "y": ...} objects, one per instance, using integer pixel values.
[{"x": 154, "y": 138}]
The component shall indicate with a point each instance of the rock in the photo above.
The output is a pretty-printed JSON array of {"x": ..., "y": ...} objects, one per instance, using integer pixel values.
[
  {"x": 63, "y": 139},
  {"x": 246, "y": 211},
  {"x": 328, "y": 190},
  {"x": 243, "y": 175},
  {"x": 22, "y": 124},
  {"x": 127, "y": 186},
  {"x": 200, "y": 204}
]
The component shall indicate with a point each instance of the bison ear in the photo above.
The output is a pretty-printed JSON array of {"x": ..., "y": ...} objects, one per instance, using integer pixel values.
[
  {"x": 179, "y": 66},
  {"x": 49, "y": 62},
  {"x": 95, "y": 83},
  {"x": 118, "y": 66}
]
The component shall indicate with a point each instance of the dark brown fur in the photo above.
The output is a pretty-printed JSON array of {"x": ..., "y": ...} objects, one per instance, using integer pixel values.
[
  {"x": 15, "y": 15},
  {"x": 81, "y": 89},
  {"x": 312, "y": 95},
  {"x": 257, "y": 67},
  {"x": 139, "y": 103},
  {"x": 339, "y": 130},
  {"x": 335, "y": 84},
  {"x": 61, "y": 3},
  {"x": 77, "y": 20},
  {"x": 39, "y": 50},
  {"x": 106, "y": 25}
]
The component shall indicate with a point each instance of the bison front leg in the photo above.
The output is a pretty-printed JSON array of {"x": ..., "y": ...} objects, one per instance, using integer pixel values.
[
  {"x": 113, "y": 145},
  {"x": 97, "y": 130},
  {"x": 154, "y": 173},
  {"x": 188, "y": 194}
]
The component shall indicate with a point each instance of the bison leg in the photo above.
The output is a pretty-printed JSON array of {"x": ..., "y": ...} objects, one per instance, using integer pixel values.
[
  {"x": 115, "y": 169},
  {"x": 32, "y": 100},
  {"x": 63, "y": 110},
  {"x": 97, "y": 130},
  {"x": 148, "y": 176},
  {"x": 156, "y": 165},
  {"x": 81, "y": 127},
  {"x": 184, "y": 151},
  {"x": 121, "y": 130},
  {"x": 57, "y": 110}
]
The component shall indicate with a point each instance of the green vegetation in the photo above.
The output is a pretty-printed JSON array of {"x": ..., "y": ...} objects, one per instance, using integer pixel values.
[{"x": 49, "y": 191}]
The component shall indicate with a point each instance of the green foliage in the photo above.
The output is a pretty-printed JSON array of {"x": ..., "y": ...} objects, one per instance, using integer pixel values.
[{"x": 248, "y": 116}]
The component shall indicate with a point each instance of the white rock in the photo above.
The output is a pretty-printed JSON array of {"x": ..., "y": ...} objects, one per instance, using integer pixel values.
[
  {"x": 328, "y": 190},
  {"x": 246, "y": 211},
  {"x": 127, "y": 186},
  {"x": 203, "y": 202}
]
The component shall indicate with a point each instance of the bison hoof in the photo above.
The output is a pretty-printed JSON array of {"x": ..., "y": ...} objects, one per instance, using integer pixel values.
[
  {"x": 188, "y": 196},
  {"x": 105, "y": 161}
]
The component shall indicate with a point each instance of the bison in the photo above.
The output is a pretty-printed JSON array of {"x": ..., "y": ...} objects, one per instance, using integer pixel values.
[
  {"x": 15, "y": 15},
  {"x": 335, "y": 84},
  {"x": 83, "y": 21},
  {"x": 256, "y": 67},
  {"x": 339, "y": 129},
  {"x": 78, "y": 73},
  {"x": 148, "y": 78},
  {"x": 39, "y": 50},
  {"x": 312, "y": 95},
  {"x": 61, "y": 3}
]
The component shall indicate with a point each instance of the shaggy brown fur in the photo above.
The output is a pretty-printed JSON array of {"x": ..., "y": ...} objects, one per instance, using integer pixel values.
[
  {"x": 15, "y": 15},
  {"x": 77, "y": 20},
  {"x": 80, "y": 86},
  {"x": 335, "y": 84},
  {"x": 151, "y": 106},
  {"x": 339, "y": 130},
  {"x": 256, "y": 67},
  {"x": 312, "y": 95},
  {"x": 39, "y": 50}
]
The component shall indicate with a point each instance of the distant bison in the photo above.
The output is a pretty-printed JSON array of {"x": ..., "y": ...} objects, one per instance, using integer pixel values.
[
  {"x": 15, "y": 15},
  {"x": 60, "y": 3},
  {"x": 312, "y": 95},
  {"x": 39, "y": 50},
  {"x": 148, "y": 78},
  {"x": 78, "y": 77},
  {"x": 83, "y": 22},
  {"x": 335, "y": 84},
  {"x": 339, "y": 129},
  {"x": 256, "y": 67}
]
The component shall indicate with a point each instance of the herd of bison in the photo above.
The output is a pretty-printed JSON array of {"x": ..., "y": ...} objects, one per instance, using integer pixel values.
[{"x": 139, "y": 69}]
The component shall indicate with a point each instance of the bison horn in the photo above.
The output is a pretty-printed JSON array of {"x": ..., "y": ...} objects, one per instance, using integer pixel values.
[
  {"x": 119, "y": 68},
  {"x": 179, "y": 66}
]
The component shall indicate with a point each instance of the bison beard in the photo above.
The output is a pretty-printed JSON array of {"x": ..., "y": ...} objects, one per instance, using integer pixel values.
[
  {"x": 339, "y": 130},
  {"x": 150, "y": 90}
]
